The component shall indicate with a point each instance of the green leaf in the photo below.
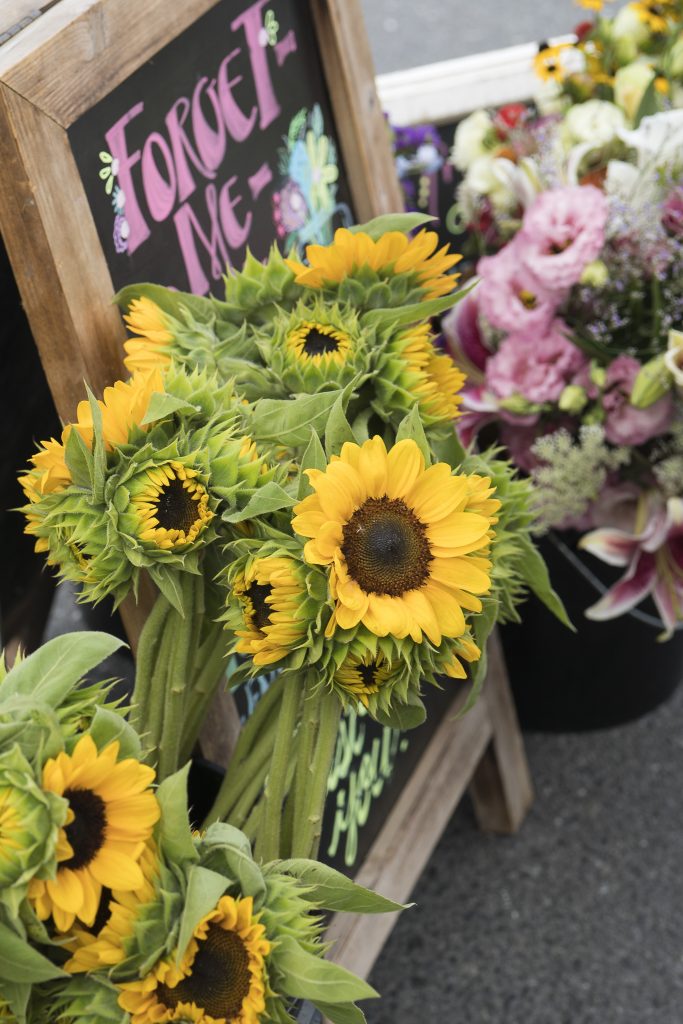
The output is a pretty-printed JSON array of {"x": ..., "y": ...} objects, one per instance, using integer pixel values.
[
  {"x": 649, "y": 104},
  {"x": 483, "y": 624},
  {"x": 169, "y": 301},
  {"x": 332, "y": 890},
  {"x": 108, "y": 726},
  {"x": 20, "y": 962},
  {"x": 404, "y": 222},
  {"x": 50, "y": 672},
  {"x": 411, "y": 427},
  {"x": 337, "y": 429},
  {"x": 313, "y": 458},
  {"x": 17, "y": 995},
  {"x": 289, "y": 421},
  {"x": 305, "y": 976},
  {"x": 168, "y": 583},
  {"x": 269, "y": 498},
  {"x": 204, "y": 889},
  {"x": 403, "y": 716},
  {"x": 341, "y": 1013},
  {"x": 174, "y": 827},
  {"x": 162, "y": 405},
  {"x": 534, "y": 572},
  {"x": 402, "y": 316},
  {"x": 99, "y": 450},
  {"x": 79, "y": 459},
  {"x": 448, "y": 448}
]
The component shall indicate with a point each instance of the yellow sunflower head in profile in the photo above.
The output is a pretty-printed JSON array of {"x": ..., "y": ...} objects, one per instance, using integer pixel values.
[
  {"x": 150, "y": 350},
  {"x": 112, "y": 812},
  {"x": 123, "y": 406},
  {"x": 362, "y": 676},
  {"x": 414, "y": 369},
  {"x": 220, "y": 978},
  {"x": 392, "y": 255},
  {"x": 270, "y": 593},
  {"x": 399, "y": 541}
]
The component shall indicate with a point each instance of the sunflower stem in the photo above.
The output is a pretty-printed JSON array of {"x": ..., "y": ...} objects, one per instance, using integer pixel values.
[
  {"x": 179, "y": 669},
  {"x": 199, "y": 696},
  {"x": 309, "y": 822},
  {"x": 268, "y": 840},
  {"x": 254, "y": 772},
  {"x": 233, "y": 780},
  {"x": 152, "y": 726},
  {"x": 297, "y": 802},
  {"x": 146, "y": 659}
]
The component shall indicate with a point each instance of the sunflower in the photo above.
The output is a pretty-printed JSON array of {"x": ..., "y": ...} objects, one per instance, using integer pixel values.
[
  {"x": 318, "y": 343},
  {"x": 392, "y": 255},
  {"x": 123, "y": 407},
  {"x": 420, "y": 371},
  {"x": 171, "y": 505},
  {"x": 655, "y": 13},
  {"x": 103, "y": 945},
  {"x": 270, "y": 592},
  {"x": 149, "y": 350},
  {"x": 111, "y": 814},
  {"x": 361, "y": 677},
  {"x": 220, "y": 978},
  {"x": 548, "y": 62},
  {"x": 398, "y": 540}
]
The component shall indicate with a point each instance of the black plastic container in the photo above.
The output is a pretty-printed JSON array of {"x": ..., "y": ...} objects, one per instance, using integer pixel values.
[{"x": 603, "y": 675}]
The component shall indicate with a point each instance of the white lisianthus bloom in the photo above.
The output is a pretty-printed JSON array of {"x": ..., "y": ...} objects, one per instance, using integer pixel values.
[
  {"x": 630, "y": 85},
  {"x": 673, "y": 358},
  {"x": 484, "y": 179},
  {"x": 474, "y": 138},
  {"x": 658, "y": 139},
  {"x": 628, "y": 25},
  {"x": 597, "y": 122}
]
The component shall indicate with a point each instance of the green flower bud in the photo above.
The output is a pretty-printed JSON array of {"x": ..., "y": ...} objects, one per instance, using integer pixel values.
[
  {"x": 598, "y": 374},
  {"x": 595, "y": 274},
  {"x": 594, "y": 415},
  {"x": 519, "y": 405},
  {"x": 573, "y": 399},
  {"x": 30, "y": 820},
  {"x": 651, "y": 384}
]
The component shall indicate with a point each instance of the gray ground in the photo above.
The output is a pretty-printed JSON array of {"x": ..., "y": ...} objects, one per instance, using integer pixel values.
[{"x": 405, "y": 33}]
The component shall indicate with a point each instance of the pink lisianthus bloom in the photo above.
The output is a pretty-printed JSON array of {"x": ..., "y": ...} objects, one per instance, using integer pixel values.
[
  {"x": 625, "y": 424},
  {"x": 653, "y": 557},
  {"x": 672, "y": 212},
  {"x": 561, "y": 234},
  {"x": 537, "y": 367},
  {"x": 509, "y": 297}
]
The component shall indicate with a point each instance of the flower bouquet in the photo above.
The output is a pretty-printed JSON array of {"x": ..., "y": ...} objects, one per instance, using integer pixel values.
[{"x": 282, "y": 470}]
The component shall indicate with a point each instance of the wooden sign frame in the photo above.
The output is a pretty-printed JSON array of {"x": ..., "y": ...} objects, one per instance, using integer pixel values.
[{"x": 66, "y": 288}]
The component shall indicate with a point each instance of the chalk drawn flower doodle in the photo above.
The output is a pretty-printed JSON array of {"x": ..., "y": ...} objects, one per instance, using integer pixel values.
[
  {"x": 305, "y": 207},
  {"x": 109, "y": 173}
]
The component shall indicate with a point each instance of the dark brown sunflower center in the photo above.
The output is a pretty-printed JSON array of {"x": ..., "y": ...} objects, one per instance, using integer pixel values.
[
  {"x": 176, "y": 508},
  {"x": 257, "y": 594},
  {"x": 87, "y": 831},
  {"x": 220, "y": 977},
  {"x": 368, "y": 674},
  {"x": 386, "y": 547},
  {"x": 317, "y": 343}
]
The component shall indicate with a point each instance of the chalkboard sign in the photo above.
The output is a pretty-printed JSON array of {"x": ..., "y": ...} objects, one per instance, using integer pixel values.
[
  {"x": 224, "y": 139},
  {"x": 157, "y": 141}
]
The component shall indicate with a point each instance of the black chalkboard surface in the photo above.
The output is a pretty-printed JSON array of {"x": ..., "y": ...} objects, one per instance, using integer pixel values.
[{"x": 223, "y": 140}]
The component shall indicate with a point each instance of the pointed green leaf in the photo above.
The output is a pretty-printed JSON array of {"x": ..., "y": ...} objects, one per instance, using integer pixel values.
[
  {"x": 411, "y": 426},
  {"x": 341, "y": 1013},
  {"x": 21, "y": 963},
  {"x": 108, "y": 726},
  {"x": 306, "y": 976},
  {"x": 172, "y": 302},
  {"x": 289, "y": 421},
  {"x": 79, "y": 459},
  {"x": 269, "y": 498},
  {"x": 50, "y": 672},
  {"x": 99, "y": 451},
  {"x": 403, "y": 316},
  {"x": 337, "y": 429},
  {"x": 168, "y": 583},
  {"x": 403, "y": 716},
  {"x": 332, "y": 890},
  {"x": 404, "y": 222},
  {"x": 162, "y": 405},
  {"x": 313, "y": 458},
  {"x": 535, "y": 574},
  {"x": 204, "y": 889},
  {"x": 175, "y": 836}
]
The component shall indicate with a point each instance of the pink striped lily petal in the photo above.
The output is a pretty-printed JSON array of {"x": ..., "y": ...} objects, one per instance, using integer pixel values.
[
  {"x": 635, "y": 585},
  {"x": 612, "y": 546},
  {"x": 668, "y": 602}
]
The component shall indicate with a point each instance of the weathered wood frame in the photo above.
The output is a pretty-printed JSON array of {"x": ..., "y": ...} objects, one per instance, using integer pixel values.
[{"x": 66, "y": 288}]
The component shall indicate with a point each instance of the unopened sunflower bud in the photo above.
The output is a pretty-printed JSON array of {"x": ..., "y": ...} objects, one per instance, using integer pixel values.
[
  {"x": 595, "y": 274},
  {"x": 573, "y": 399},
  {"x": 651, "y": 384}
]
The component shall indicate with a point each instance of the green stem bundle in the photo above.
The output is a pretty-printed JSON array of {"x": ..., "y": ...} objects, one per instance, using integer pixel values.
[{"x": 268, "y": 840}]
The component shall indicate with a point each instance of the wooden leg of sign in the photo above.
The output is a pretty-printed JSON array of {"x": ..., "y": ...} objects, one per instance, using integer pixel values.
[{"x": 501, "y": 788}]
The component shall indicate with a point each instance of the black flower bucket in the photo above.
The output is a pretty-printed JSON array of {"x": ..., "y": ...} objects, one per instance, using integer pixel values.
[{"x": 606, "y": 673}]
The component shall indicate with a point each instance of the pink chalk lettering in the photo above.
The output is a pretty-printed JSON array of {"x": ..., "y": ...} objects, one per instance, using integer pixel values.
[
  {"x": 210, "y": 141},
  {"x": 190, "y": 231},
  {"x": 252, "y": 23},
  {"x": 260, "y": 180},
  {"x": 237, "y": 122},
  {"x": 235, "y": 233},
  {"x": 284, "y": 47},
  {"x": 116, "y": 144},
  {"x": 160, "y": 191},
  {"x": 182, "y": 149}
]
